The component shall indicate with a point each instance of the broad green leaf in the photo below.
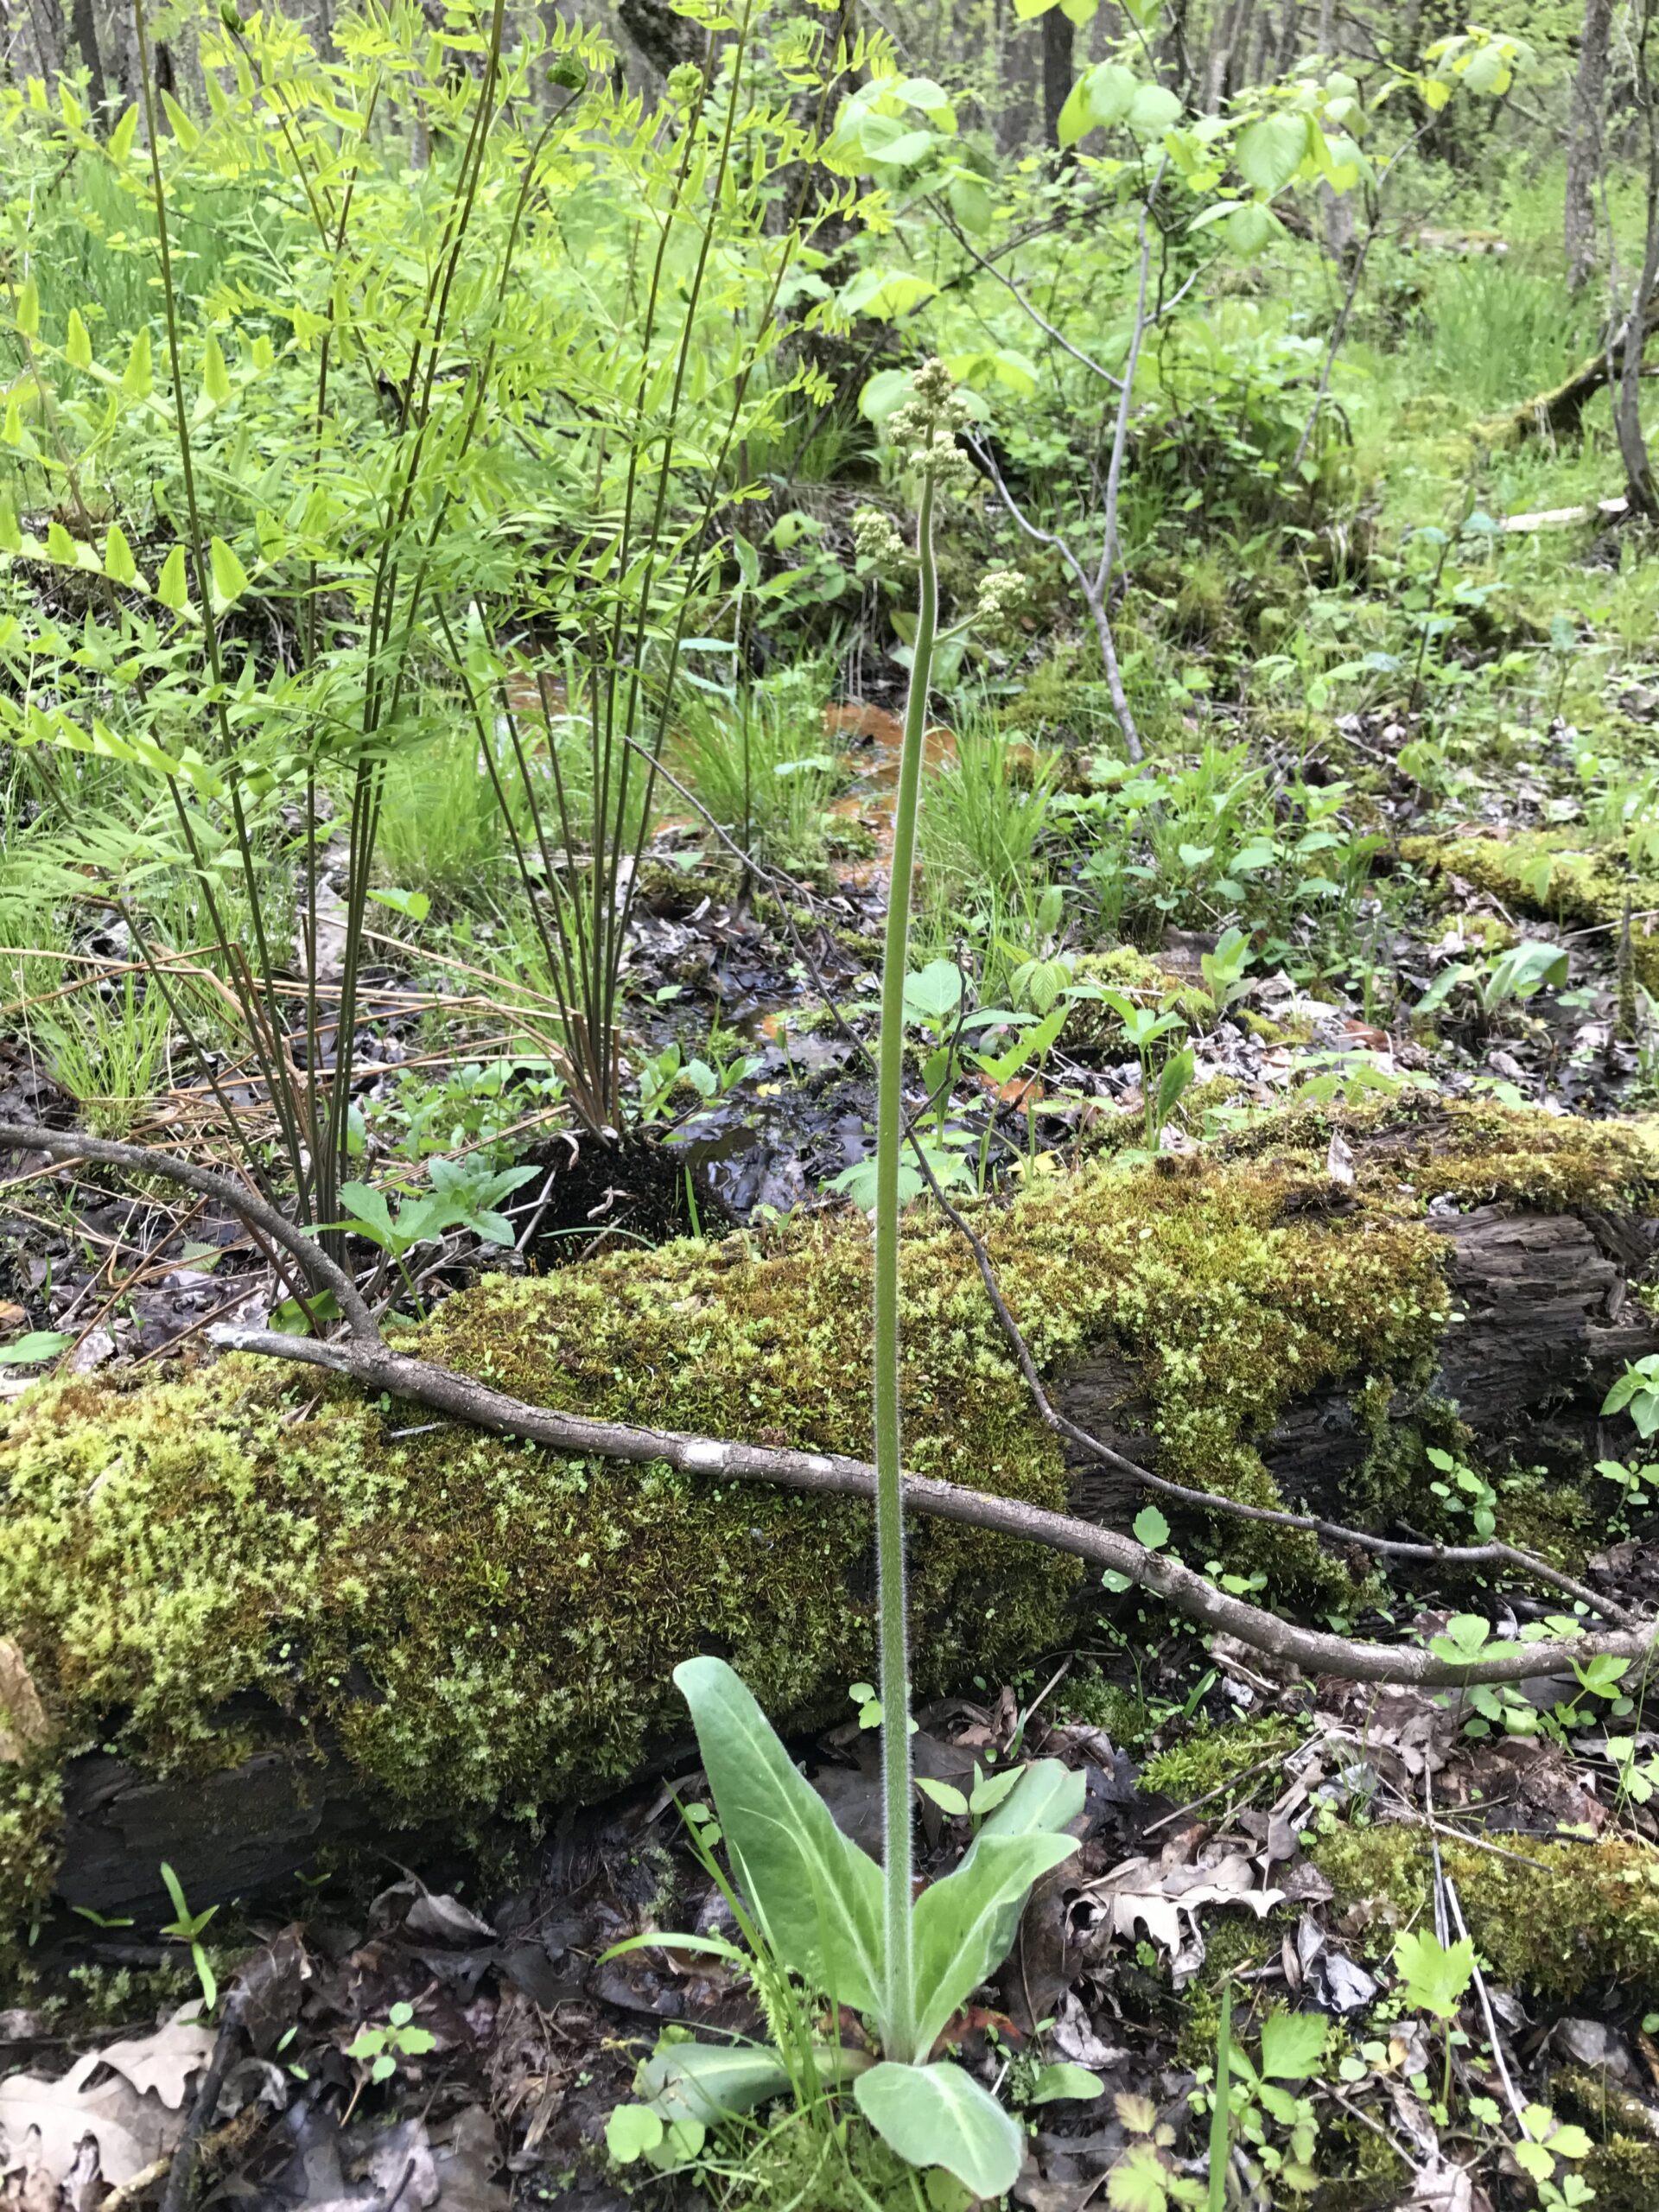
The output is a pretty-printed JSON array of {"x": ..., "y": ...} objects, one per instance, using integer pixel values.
[
  {"x": 816, "y": 1895},
  {"x": 970, "y": 203},
  {"x": 215, "y": 376},
  {"x": 1292, "y": 2043},
  {"x": 77, "y": 346},
  {"x": 39, "y": 1344},
  {"x": 1436, "y": 1976},
  {"x": 118, "y": 564},
  {"x": 939, "y": 2116},
  {"x": 1140, "y": 2181},
  {"x": 1271, "y": 149},
  {"x": 909, "y": 146},
  {"x": 1110, "y": 91},
  {"x": 885, "y": 294},
  {"x": 1151, "y": 1528},
  {"x": 1065, "y": 2079},
  {"x": 370, "y": 1212},
  {"x": 1151, "y": 111},
  {"x": 183, "y": 128},
  {"x": 11, "y": 537},
  {"x": 965, "y": 1924},
  {"x": 60, "y": 546},
  {"x": 711, "y": 2082},
  {"x": 883, "y": 393},
  {"x": 1250, "y": 226},
  {"x": 121, "y": 138},
  {"x": 27, "y": 312},
  {"x": 1048, "y": 1795},
  {"x": 1077, "y": 117},
  {"x": 138, "y": 376},
  {"x": 632, "y": 2132},
  {"x": 933, "y": 993},
  {"x": 230, "y": 578},
  {"x": 415, "y": 903},
  {"x": 172, "y": 586}
]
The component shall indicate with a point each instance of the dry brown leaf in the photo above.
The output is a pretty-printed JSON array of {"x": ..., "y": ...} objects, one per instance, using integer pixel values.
[
  {"x": 132, "y": 2120},
  {"x": 1441, "y": 2186},
  {"x": 22, "y": 1717},
  {"x": 42, "y": 2125},
  {"x": 1140, "y": 1890},
  {"x": 162, "y": 2061}
]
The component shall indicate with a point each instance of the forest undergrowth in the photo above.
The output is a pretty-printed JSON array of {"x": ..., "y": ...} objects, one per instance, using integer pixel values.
[{"x": 915, "y": 757}]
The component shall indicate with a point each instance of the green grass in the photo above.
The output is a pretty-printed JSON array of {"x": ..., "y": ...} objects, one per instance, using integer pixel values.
[
  {"x": 761, "y": 764},
  {"x": 110, "y": 1053},
  {"x": 988, "y": 811},
  {"x": 441, "y": 827}
]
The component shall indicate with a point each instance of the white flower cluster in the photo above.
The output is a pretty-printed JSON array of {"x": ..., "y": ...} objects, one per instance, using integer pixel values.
[{"x": 1001, "y": 593}]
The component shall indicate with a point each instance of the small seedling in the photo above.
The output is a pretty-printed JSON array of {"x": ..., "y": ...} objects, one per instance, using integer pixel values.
[
  {"x": 383, "y": 2047},
  {"x": 1435, "y": 1977},
  {"x": 186, "y": 1927},
  {"x": 1637, "y": 1392}
]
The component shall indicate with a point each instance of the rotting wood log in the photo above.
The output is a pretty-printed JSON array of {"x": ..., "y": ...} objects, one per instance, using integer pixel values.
[
  {"x": 1559, "y": 413},
  {"x": 1546, "y": 1314},
  {"x": 1547, "y": 1320}
]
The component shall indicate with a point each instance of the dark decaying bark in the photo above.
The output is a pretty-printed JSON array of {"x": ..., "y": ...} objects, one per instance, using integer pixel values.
[{"x": 1548, "y": 1321}]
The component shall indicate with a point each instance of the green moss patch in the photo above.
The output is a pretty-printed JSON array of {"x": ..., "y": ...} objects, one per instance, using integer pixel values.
[
  {"x": 1208, "y": 1756},
  {"x": 1571, "y": 1917},
  {"x": 1541, "y": 871}
]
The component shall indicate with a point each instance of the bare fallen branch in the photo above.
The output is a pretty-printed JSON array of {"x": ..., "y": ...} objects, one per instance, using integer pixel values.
[
  {"x": 378, "y": 1368},
  {"x": 139, "y": 1160}
]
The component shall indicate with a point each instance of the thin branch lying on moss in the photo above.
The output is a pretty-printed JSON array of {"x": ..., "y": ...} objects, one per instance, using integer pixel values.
[
  {"x": 368, "y": 1360},
  {"x": 376, "y": 1366},
  {"x": 1490, "y": 1554}
]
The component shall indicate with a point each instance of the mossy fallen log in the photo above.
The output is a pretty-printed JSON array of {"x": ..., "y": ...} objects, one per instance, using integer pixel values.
[
  {"x": 1559, "y": 413},
  {"x": 1542, "y": 871},
  {"x": 262, "y": 1608}
]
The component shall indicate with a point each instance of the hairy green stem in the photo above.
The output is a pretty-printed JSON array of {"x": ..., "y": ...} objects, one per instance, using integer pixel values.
[{"x": 889, "y": 1141}]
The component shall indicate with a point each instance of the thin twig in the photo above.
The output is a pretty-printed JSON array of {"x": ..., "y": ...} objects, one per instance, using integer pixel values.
[
  {"x": 137, "y": 1159},
  {"x": 181, "y": 2173}
]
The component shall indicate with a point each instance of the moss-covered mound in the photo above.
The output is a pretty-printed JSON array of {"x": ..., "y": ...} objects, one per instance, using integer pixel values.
[
  {"x": 1554, "y": 1919},
  {"x": 1542, "y": 871},
  {"x": 475, "y": 1623}
]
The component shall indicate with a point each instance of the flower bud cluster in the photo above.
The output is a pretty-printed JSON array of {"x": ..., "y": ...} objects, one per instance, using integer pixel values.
[
  {"x": 874, "y": 538},
  {"x": 685, "y": 84},
  {"x": 1001, "y": 593},
  {"x": 924, "y": 429}
]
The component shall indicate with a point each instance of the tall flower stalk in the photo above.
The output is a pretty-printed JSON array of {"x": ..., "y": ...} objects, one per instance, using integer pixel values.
[
  {"x": 926, "y": 430},
  {"x": 829, "y": 1914}
]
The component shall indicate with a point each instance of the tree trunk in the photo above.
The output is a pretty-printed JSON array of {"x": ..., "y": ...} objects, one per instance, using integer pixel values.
[
  {"x": 1057, "y": 36},
  {"x": 85, "y": 23},
  {"x": 665, "y": 38},
  {"x": 1230, "y": 26},
  {"x": 1584, "y": 150},
  {"x": 1627, "y": 400}
]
